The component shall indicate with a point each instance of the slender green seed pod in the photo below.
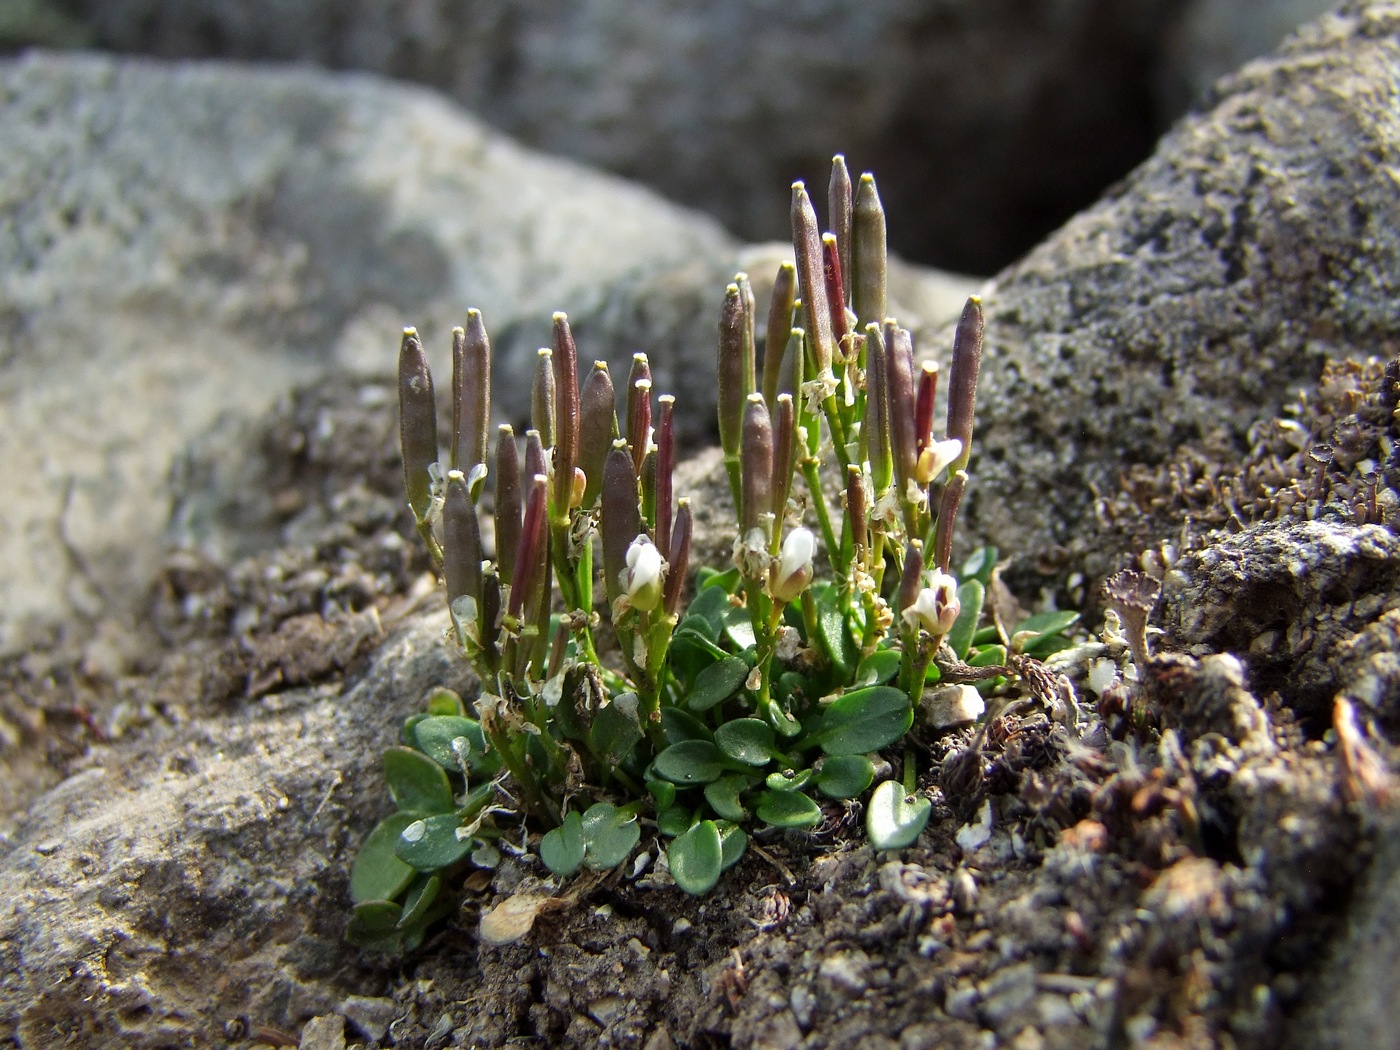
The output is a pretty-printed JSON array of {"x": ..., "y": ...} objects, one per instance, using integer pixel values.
[
  {"x": 784, "y": 457},
  {"x": 665, "y": 465},
  {"x": 749, "y": 344},
  {"x": 731, "y": 371},
  {"x": 597, "y": 429},
  {"x": 902, "y": 400},
  {"x": 542, "y": 397},
  {"x": 839, "y": 213},
  {"x": 566, "y": 413},
  {"x": 877, "y": 419},
  {"x": 619, "y": 519},
  {"x": 471, "y": 394},
  {"x": 807, "y": 248},
  {"x": 779, "y": 330},
  {"x": 756, "y": 463},
  {"x": 962, "y": 378},
  {"x": 509, "y": 502},
  {"x": 678, "y": 558},
  {"x": 868, "y": 254},
  {"x": 461, "y": 541},
  {"x": 417, "y": 423}
]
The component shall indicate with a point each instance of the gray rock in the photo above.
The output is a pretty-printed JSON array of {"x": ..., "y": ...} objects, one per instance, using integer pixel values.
[
  {"x": 184, "y": 244},
  {"x": 1257, "y": 242}
]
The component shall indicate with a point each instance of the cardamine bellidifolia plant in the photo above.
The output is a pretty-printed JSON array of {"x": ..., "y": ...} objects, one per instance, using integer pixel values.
[{"x": 766, "y": 695}]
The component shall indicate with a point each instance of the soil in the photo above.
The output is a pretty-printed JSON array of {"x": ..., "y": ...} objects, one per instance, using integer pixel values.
[{"x": 1167, "y": 870}]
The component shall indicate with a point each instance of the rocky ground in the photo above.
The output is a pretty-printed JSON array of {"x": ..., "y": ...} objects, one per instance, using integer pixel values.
[{"x": 1202, "y": 857}]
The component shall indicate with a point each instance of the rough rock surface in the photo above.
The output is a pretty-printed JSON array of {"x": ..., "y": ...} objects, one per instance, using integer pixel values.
[
  {"x": 989, "y": 122},
  {"x": 1200, "y": 294},
  {"x": 186, "y": 243}
]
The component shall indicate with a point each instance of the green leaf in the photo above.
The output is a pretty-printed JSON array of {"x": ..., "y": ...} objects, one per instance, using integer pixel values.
[
  {"x": 375, "y": 924},
  {"x": 614, "y": 733},
  {"x": 663, "y": 792},
  {"x": 988, "y": 656},
  {"x": 710, "y": 605},
  {"x": 789, "y": 779},
  {"x": 436, "y": 735},
  {"x": 609, "y": 835},
  {"x": 1052, "y": 622},
  {"x": 788, "y": 809},
  {"x": 845, "y": 776},
  {"x": 674, "y": 821},
  {"x": 446, "y": 702},
  {"x": 746, "y": 740},
  {"x": 696, "y": 858},
  {"x": 717, "y": 683},
  {"x": 726, "y": 582},
  {"x": 979, "y": 565},
  {"x": 378, "y": 874},
  {"x": 877, "y": 668},
  {"x": 416, "y": 782},
  {"x": 738, "y": 628},
  {"x": 690, "y": 762},
  {"x": 893, "y": 819},
  {"x": 986, "y": 635},
  {"x": 732, "y": 843},
  {"x": 865, "y": 720},
  {"x": 971, "y": 595},
  {"x": 835, "y": 640},
  {"x": 678, "y": 725},
  {"x": 562, "y": 849},
  {"x": 723, "y": 796},
  {"x": 407, "y": 736},
  {"x": 419, "y": 901},
  {"x": 431, "y": 843}
]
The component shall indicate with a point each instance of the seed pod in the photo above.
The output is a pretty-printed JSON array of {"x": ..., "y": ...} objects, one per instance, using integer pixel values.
[
  {"x": 417, "y": 423},
  {"x": 531, "y": 558},
  {"x": 509, "y": 502},
  {"x": 678, "y": 558},
  {"x": 597, "y": 429},
  {"x": 461, "y": 541},
  {"x": 748, "y": 346},
  {"x": 962, "y": 377},
  {"x": 857, "y": 508},
  {"x": 836, "y": 296},
  {"x": 784, "y": 457},
  {"x": 868, "y": 259},
  {"x": 807, "y": 247},
  {"x": 923, "y": 410},
  {"x": 542, "y": 396},
  {"x": 566, "y": 414},
  {"x": 902, "y": 401},
  {"x": 471, "y": 393},
  {"x": 639, "y": 410},
  {"x": 775, "y": 342},
  {"x": 911, "y": 578},
  {"x": 665, "y": 464},
  {"x": 619, "y": 519},
  {"x": 756, "y": 463},
  {"x": 839, "y": 214},
  {"x": 732, "y": 393},
  {"x": 877, "y": 424},
  {"x": 948, "y": 516}
]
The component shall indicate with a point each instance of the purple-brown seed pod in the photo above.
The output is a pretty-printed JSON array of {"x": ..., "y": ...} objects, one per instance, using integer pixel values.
[
  {"x": 756, "y": 463},
  {"x": 471, "y": 394},
  {"x": 962, "y": 378},
  {"x": 868, "y": 259},
  {"x": 779, "y": 330},
  {"x": 619, "y": 519},
  {"x": 597, "y": 429},
  {"x": 509, "y": 502},
  {"x": 839, "y": 214},
  {"x": 461, "y": 541},
  {"x": 807, "y": 248},
  {"x": 566, "y": 413},
  {"x": 417, "y": 423},
  {"x": 678, "y": 557},
  {"x": 543, "y": 397},
  {"x": 902, "y": 401},
  {"x": 665, "y": 464}
]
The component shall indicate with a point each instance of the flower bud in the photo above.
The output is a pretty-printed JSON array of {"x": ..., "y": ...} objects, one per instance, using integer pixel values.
[
  {"x": 792, "y": 572},
  {"x": 936, "y": 608},
  {"x": 642, "y": 579},
  {"x": 935, "y": 458}
]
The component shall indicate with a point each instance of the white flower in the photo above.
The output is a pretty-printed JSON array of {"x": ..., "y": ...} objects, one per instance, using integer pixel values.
[
  {"x": 641, "y": 581},
  {"x": 936, "y": 458},
  {"x": 791, "y": 573},
  {"x": 936, "y": 608}
]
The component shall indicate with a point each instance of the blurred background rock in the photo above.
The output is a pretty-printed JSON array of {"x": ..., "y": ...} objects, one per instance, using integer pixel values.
[{"x": 989, "y": 123}]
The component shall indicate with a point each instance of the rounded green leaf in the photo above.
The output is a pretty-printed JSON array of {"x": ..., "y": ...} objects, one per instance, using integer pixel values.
[
  {"x": 717, "y": 683},
  {"x": 609, "y": 834},
  {"x": 663, "y": 793},
  {"x": 866, "y": 720},
  {"x": 436, "y": 735},
  {"x": 877, "y": 668},
  {"x": 690, "y": 762},
  {"x": 378, "y": 874},
  {"x": 893, "y": 819},
  {"x": 723, "y": 797},
  {"x": 432, "y": 842},
  {"x": 746, "y": 740},
  {"x": 678, "y": 725},
  {"x": 675, "y": 821},
  {"x": 614, "y": 732},
  {"x": 845, "y": 776},
  {"x": 732, "y": 843},
  {"x": 696, "y": 858},
  {"x": 419, "y": 901},
  {"x": 789, "y": 779},
  {"x": 446, "y": 702},
  {"x": 562, "y": 849},
  {"x": 416, "y": 782},
  {"x": 970, "y": 597},
  {"x": 375, "y": 924},
  {"x": 788, "y": 809}
]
